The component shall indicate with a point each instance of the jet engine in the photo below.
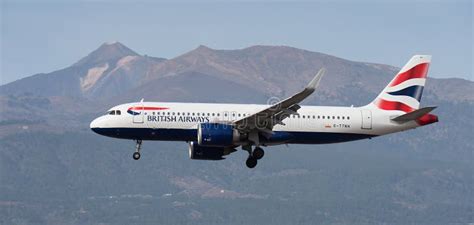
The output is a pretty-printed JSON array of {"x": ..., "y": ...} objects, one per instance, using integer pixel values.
[
  {"x": 208, "y": 153},
  {"x": 217, "y": 135}
]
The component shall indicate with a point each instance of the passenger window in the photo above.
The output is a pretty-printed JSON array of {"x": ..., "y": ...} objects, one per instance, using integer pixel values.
[
  {"x": 319, "y": 117},
  {"x": 338, "y": 117},
  {"x": 348, "y": 118},
  {"x": 303, "y": 116},
  {"x": 213, "y": 114},
  {"x": 342, "y": 117}
]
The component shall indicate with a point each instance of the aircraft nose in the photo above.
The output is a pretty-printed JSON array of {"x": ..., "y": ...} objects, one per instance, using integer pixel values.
[{"x": 95, "y": 125}]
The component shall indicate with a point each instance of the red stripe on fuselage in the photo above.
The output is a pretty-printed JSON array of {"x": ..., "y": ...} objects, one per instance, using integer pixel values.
[
  {"x": 389, "y": 105},
  {"x": 147, "y": 108},
  {"x": 418, "y": 71}
]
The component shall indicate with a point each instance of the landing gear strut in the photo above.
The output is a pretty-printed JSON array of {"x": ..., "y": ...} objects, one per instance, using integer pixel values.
[{"x": 136, "y": 154}]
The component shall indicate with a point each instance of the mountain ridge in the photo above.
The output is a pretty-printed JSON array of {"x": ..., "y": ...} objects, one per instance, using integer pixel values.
[{"x": 114, "y": 70}]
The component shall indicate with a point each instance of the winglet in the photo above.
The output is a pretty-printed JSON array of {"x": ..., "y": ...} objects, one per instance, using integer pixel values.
[{"x": 315, "y": 81}]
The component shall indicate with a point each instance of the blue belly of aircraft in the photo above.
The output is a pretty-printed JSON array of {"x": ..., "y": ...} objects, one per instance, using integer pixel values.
[{"x": 191, "y": 135}]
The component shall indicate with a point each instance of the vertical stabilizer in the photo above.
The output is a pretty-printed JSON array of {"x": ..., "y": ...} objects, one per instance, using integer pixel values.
[{"x": 404, "y": 92}]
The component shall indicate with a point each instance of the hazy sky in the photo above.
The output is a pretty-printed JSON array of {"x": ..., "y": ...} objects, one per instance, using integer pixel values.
[{"x": 42, "y": 37}]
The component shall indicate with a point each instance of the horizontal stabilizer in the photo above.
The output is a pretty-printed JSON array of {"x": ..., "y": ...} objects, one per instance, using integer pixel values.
[{"x": 414, "y": 115}]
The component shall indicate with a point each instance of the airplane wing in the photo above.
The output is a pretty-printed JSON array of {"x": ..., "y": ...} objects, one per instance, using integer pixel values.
[{"x": 264, "y": 120}]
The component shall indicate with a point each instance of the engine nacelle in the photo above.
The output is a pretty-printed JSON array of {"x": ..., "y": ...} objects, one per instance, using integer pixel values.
[
  {"x": 208, "y": 153},
  {"x": 217, "y": 135}
]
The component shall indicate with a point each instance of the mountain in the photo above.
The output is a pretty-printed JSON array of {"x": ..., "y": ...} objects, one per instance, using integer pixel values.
[
  {"x": 54, "y": 170},
  {"x": 114, "y": 71},
  {"x": 107, "y": 71}
]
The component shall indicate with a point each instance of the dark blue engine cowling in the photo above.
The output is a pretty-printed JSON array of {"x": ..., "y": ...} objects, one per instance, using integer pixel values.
[
  {"x": 216, "y": 134},
  {"x": 205, "y": 152}
]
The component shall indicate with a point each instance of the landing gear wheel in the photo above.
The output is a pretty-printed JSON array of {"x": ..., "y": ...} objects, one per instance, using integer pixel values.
[
  {"x": 136, "y": 155},
  {"x": 251, "y": 162},
  {"x": 258, "y": 153}
]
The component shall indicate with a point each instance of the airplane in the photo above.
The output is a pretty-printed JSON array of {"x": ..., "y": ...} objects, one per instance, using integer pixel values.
[{"x": 213, "y": 131}]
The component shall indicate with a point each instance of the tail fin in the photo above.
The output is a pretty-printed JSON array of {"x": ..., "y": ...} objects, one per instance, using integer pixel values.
[{"x": 404, "y": 92}]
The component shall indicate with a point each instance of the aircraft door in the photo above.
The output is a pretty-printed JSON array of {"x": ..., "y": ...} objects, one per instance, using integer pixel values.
[
  {"x": 366, "y": 119},
  {"x": 139, "y": 114}
]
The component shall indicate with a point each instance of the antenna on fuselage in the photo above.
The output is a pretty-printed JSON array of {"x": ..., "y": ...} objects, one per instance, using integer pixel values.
[{"x": 141, "y": 101}]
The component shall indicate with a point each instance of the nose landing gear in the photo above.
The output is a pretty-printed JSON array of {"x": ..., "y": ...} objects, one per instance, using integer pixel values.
[{"x": 136, "y": 154}]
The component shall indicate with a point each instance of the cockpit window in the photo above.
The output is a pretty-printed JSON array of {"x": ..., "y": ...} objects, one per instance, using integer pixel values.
[{"x": 113, "y": 112}]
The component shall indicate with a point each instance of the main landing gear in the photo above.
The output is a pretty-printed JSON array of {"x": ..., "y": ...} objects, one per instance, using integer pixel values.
[
  {"x": 254, "y": 156},
  {"x": 136, "y": 154}
]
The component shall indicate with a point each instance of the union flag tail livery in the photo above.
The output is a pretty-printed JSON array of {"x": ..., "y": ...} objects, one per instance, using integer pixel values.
[
  {"x": 404, "y": 92},
  {"x": 214, "y": 131}
]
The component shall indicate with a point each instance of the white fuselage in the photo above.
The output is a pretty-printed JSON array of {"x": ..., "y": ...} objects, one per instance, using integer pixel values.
[{"x": 179, "y": 121}]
